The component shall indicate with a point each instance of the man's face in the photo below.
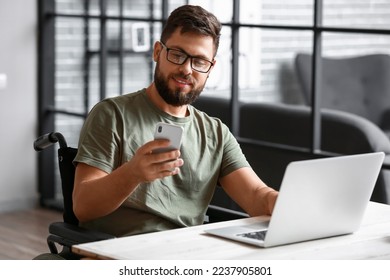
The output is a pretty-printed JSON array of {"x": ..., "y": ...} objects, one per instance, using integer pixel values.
[{"x": 180, "y": 85}]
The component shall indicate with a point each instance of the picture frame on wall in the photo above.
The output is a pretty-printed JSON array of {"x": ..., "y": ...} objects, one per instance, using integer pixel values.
[{"x": 140, "y": 37}]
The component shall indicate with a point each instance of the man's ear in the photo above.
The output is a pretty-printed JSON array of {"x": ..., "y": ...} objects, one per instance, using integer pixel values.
[{"x": 156, "y": 50}]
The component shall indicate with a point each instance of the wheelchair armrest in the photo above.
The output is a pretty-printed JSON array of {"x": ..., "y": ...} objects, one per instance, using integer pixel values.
[
  {"x": 219, "y": 214},
  {"x": 73, "y": 234}
]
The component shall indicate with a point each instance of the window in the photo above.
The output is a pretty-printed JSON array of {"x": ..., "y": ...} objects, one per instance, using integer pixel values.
[{"x": 90, "y": 50}]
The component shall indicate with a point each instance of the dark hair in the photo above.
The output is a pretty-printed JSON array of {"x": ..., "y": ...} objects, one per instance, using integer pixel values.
[{"x": 193, "y": 19}]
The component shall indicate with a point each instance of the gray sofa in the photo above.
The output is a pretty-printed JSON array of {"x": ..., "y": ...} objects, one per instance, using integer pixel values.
[{"x": 290, "y": 125}]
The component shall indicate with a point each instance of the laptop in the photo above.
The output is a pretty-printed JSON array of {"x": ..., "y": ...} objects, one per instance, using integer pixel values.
[{"x": 317, "y": 199}]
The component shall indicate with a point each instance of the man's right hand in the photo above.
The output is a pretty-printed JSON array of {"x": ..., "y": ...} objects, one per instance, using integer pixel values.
[{"x": 147, "y": 166}]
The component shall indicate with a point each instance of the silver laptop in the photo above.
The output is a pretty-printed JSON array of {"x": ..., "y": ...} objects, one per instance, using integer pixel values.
[{"x": 318, "y": 198}]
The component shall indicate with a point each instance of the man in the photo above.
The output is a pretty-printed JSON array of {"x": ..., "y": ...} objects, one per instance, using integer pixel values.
[{"x": 121, "y": 186}]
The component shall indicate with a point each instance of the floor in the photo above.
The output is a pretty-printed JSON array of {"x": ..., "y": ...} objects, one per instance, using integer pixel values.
[{"x": 23, "y": 234}]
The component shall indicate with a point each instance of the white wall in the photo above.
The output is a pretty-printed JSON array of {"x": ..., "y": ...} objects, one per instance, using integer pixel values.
[{"x": 18, "y": 104}]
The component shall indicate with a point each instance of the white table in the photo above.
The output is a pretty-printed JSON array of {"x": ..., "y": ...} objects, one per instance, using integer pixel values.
[{"x": 371, "y": 241}]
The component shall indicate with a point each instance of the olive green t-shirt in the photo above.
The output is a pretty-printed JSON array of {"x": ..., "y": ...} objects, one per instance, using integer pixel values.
[{"x": 113, "y": 131}]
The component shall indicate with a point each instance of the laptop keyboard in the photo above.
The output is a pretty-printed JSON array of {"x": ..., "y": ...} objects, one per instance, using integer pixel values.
[{"x": 259, "y": 235}]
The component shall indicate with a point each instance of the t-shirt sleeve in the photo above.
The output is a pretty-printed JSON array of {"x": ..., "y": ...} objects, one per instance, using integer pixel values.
[
  {"x": 233, "y": 158},
  {"x": 99, "y": 143}
]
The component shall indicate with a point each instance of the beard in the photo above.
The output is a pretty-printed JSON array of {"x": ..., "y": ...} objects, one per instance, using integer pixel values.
[{"x": 174, "y": 97}]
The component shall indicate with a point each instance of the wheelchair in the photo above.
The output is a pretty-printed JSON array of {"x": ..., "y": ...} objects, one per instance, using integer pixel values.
[{"x": 64, "y": 234}]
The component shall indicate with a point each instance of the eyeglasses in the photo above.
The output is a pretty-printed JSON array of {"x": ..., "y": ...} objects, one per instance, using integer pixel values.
[{"x": 178, "y": 57}]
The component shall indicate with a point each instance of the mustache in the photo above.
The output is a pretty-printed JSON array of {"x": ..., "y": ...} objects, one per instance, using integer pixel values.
[{"x": 188, "y": 78}]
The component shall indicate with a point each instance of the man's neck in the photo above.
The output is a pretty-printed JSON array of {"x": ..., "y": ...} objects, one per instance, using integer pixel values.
[{"x": 176, "y": 111}]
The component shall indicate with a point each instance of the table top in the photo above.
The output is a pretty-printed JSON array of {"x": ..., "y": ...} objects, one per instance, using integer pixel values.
[{"x": 371, "y": 241}]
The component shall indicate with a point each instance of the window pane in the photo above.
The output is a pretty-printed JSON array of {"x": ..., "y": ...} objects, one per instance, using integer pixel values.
[
  {"x": 112, "y": 82},
  {"x": 137, "y": 72},
  {"x": 277, "y": 12},
  {"x": 357, "y": 13},
  {"x": 344, "y": 44},
  {"x": 94, "y": 7},
  {"x": 142, "y": 8},
  {"x": 219, "y": 82},
  {"x": 70, "y": 127},
  {"x": 94, "y": 35},
  {"x": 94, "y": 84},
  {"x": 112, "y": 35},
  {"x": 223, "y": 10},
  {"x": 113, "y": 7},
  {"x": 266, "y": 70},
  {"x": 69, "y": 63},
  {"x": 69, "y": 7}
]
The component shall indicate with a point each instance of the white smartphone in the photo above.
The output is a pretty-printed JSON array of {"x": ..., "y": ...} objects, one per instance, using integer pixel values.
[{"x": 171, "y": 132}]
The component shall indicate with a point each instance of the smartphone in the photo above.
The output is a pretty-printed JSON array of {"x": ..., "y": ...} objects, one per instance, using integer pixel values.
[{"x": 171, "y": 132}]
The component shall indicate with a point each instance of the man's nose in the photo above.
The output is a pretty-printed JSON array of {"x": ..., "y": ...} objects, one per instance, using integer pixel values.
[{"x": 186, "y": 68}]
